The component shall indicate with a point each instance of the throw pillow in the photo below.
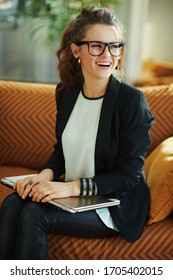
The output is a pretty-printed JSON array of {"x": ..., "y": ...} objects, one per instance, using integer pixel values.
[{"x": 160, "y": 180}]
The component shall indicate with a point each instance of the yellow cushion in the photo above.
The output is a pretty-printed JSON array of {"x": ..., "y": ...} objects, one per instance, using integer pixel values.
[{"x": 159, "y": 170}]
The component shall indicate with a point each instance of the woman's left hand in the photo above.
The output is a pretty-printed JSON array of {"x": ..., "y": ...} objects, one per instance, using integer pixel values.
[{"x": 48, "y": 190}]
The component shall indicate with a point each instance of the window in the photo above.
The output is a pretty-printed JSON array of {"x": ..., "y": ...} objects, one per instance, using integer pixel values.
[{"x": 8, "y": 13}]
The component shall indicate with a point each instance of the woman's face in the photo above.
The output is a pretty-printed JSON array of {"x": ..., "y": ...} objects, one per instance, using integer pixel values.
[{"x": 97, "y": 67}]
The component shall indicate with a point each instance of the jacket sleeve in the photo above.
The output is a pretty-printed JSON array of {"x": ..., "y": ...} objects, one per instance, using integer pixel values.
[
  {"x": 56, "y": 160},
  {"x": 134, "y": 120}
]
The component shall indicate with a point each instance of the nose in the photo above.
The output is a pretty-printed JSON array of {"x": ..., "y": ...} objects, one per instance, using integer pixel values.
[{"x": 106, "y": 51}]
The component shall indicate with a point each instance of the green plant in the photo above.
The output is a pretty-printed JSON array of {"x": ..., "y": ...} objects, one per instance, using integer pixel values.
[{"x": 51, "y": 17}]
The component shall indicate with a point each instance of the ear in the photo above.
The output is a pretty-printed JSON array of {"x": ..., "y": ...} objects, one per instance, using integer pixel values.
[{"x": 75, "y": 50}]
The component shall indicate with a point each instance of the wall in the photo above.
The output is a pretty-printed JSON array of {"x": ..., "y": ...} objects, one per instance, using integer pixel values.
[
  {"x": 158, "y": 39},
  {"x": 149, "y": 33}
]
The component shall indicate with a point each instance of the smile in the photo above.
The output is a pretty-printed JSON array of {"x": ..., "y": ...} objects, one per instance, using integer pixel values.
[{"x": 103, "y": 64}]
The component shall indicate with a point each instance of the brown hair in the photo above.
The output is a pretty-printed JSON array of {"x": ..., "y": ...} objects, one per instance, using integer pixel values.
[{"x": 69, "y": 71}]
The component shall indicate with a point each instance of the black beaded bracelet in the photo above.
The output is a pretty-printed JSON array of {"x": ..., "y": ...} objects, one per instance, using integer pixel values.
[{"x": 87, "y": 187}]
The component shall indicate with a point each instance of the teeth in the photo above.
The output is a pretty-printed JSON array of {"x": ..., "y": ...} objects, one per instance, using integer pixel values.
[{"x": 104, "y": 63}]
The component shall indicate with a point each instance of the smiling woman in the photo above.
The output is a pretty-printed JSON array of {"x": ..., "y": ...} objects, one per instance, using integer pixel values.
[
  {"x": 102, "y": 132},
  {"x": 104, "y": 29},
  {"x": 99, "y": 53}
]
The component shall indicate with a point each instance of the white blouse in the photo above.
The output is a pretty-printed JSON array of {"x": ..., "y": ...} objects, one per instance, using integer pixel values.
[{"x": 78, "y": 141}]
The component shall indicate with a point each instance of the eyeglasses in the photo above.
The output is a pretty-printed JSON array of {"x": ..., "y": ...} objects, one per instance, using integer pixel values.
[{"x": 96, "y": 48}]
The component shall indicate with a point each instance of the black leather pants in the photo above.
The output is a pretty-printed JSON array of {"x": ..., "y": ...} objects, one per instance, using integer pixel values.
[{"x": 25, "y": 225}]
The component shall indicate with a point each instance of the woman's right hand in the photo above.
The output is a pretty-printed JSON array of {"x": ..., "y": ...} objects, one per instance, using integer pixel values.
[{"x": 24, "y": 186}]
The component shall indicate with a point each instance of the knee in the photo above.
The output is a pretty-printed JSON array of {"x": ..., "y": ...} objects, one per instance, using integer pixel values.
[
  {"x": 32, "y": 216},
  {"x": 29, "y": 213},
  {"x": 10, "y": 202}
]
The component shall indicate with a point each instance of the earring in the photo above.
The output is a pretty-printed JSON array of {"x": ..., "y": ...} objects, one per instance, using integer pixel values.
[
  {"x": 78, "y": 60},
  {"x": 118, "y": 67}
]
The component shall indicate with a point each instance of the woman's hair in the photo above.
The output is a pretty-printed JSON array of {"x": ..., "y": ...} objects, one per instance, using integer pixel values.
[{"x": 69, "y": 70}]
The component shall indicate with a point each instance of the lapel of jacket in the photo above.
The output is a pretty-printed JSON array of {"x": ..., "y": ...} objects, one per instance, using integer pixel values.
[
  {"x": 104, "y": 129},
  {"x": 68, "y": 103}
]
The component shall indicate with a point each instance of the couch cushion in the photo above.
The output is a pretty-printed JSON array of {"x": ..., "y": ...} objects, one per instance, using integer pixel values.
[
  {"x": 27, "y": 123},
  {"x": 156, "y": 243},
  {"x": 159, "y": 170},
  {"x": 160, "y": 100}
]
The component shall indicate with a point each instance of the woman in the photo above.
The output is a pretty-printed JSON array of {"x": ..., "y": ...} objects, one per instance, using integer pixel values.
[{"x": 102, "y": 132}]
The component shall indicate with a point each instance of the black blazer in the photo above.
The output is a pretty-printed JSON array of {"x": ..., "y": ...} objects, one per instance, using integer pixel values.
[{"x": 122, "y": 143}]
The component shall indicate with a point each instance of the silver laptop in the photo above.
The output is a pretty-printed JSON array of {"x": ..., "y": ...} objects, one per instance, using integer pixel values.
[
  {"x": 71, "y": 204},
  {"x": 9, "y": 181},
  {"x": 79, "y": 204}
]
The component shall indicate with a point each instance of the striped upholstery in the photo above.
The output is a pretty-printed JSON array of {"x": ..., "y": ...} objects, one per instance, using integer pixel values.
[
  {"x": 155, "y": 243},
  {"x": 27, "y": 114},
  {"x": 160, "y": 100},
  {"x": 27, "y": 120}
]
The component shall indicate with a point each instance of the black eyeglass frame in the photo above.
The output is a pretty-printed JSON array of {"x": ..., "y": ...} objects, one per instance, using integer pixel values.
[{"x": 122, "y": 44}]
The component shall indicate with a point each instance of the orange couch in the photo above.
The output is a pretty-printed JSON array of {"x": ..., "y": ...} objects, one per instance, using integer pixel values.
[{"x": 27, "y": 121}]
